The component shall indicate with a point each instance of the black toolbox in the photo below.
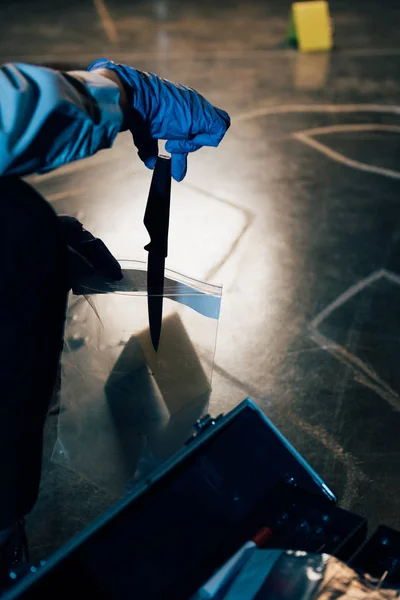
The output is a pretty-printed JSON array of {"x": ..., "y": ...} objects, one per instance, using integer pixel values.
[{"x": 236, "y": 474}]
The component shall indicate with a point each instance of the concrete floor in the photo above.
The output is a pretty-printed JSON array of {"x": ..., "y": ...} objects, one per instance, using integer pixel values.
[{"x": 296, "y": 215}]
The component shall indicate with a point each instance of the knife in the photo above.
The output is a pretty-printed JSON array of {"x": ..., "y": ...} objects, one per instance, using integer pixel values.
[{"x": 156, "y": 221}]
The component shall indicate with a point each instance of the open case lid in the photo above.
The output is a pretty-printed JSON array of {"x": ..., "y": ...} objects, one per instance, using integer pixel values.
[{"x": 167, "y": 536}]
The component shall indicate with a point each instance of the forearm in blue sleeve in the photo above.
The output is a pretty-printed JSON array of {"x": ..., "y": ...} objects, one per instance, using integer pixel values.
[{"x": 48, "y": 118}]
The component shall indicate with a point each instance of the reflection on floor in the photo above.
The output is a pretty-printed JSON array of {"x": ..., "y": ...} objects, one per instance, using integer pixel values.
[{"x": 298, "y": 206}]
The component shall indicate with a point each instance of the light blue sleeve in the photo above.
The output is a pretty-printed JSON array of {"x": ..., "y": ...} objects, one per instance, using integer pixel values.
[{"x": 48, "y": 118}]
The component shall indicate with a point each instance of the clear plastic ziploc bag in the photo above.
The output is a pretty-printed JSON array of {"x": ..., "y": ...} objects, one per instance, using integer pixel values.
[{"x": 125, "y": 408}]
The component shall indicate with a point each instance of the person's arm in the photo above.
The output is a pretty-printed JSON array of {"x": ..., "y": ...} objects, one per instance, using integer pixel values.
[{"x": 48, "y": 118}]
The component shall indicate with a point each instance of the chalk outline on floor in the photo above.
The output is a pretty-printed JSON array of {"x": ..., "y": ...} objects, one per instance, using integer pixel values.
[
  {"x": 367, "y": 376},
  {"x": 364, "y": 374},
  {"x": 306, "y": 136}
]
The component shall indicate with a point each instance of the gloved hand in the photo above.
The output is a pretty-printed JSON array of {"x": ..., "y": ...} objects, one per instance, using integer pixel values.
[
  {"x": 162, "y": 110},
  {"x": 87, "y": 255}
]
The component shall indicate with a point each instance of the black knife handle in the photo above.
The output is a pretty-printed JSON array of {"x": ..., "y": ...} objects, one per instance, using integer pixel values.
[{"x": 156, "y": 216}]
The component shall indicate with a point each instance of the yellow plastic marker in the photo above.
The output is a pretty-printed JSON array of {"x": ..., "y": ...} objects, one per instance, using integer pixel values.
[{"x": 310, "y": 26}]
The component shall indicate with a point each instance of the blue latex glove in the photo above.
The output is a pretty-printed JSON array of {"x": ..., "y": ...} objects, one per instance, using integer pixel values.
[{"x": 163, "y": 110}]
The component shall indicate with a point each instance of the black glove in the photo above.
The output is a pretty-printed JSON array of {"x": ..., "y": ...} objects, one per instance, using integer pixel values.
[{"x": 87, "y": 255}]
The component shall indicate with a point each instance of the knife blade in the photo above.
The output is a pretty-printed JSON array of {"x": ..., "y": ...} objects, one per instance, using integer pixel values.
[{"x": 156, "y": 221}]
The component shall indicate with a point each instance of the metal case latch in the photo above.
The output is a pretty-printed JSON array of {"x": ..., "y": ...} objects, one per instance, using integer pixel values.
[{"x": 202, "y": 425}]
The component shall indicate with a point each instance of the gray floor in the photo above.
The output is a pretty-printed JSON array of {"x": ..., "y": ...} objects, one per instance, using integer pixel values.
[{"x": 296, "y": 215}]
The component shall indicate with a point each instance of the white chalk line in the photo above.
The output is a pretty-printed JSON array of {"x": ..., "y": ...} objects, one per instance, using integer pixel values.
[
  {"x": 391, "y": 396},
  {"x": 367, "y": 377},
  {"x": 364, "y": 374},
  {"x": 106, "y": 20},
  {"x": 371, "y": 378},
  {"x": 306, "y": 138},
  {"x": 354, "y": 475},
  {"x": 349, "y": 127},
  {"x": 315, "y": 108},
  {"x": 352, "y": 291}
]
